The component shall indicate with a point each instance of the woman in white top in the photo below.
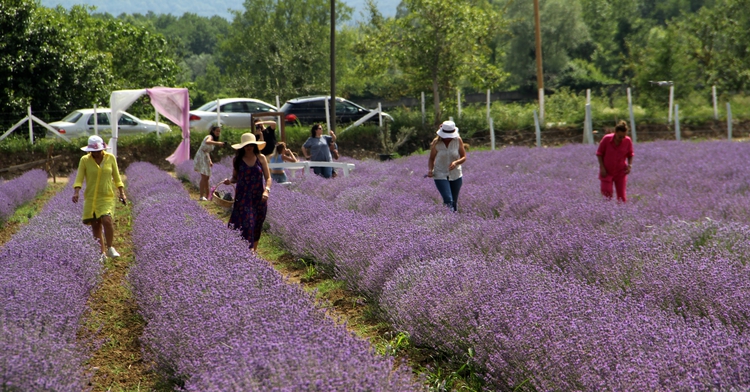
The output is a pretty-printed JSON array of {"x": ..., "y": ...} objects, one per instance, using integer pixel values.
[
  {"x": 447, "y": 154},
  {"x": 202, "y": 161}
]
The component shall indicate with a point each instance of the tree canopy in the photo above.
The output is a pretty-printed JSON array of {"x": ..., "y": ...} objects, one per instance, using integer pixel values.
[{"x": 58, "y": 59}]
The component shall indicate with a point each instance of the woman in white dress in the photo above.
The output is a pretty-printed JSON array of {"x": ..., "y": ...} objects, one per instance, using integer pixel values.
[{"x": 202, "y": 161}]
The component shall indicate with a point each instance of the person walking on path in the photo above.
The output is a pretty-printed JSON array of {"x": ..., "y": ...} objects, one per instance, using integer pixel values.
[
  {"x": 447, "y": 154},
  {"x": 253, "y": 181},
  {"x": 99, "y": 170},
  {"x": 317, "y": 148},
  {"x": 615, "y": 155},
  {"x": 202, "y": 162}
]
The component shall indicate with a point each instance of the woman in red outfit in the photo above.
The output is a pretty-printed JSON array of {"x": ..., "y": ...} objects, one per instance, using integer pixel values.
[{"x": 614, "y": 150}]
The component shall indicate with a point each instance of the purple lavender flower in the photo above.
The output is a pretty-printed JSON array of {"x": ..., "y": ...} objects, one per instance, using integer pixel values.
[
  {"x": 19, "y": 191},
  {"x": 222, "y": 319},
  {"x": 47, "y": 271},
  {"x": 550, "y": 286}
]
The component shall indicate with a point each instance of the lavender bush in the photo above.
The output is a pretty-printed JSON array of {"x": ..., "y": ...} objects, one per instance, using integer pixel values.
[
  {"x": 47, "y": 271},
  {"x": 220, "y": 319},
  {"x": 219, "y": 171},
  {"x": 550, "y": 286},
  {"x": 19, "y": 191}
]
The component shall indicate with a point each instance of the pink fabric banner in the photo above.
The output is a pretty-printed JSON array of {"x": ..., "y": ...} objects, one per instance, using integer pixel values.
[{"x": 174, "y": 104}]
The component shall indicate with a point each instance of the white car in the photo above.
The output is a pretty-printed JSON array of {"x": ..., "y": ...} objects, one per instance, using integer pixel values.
[
  {"x": 234, "y": 112},
  {"x": 81, "y": 123}
]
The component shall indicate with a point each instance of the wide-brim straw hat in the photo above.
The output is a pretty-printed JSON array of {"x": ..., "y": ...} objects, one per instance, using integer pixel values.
[
  {"x": 448, "y": 130},
  {"x": 248, "y": 138},
  {"x": 95, "y": 144}
]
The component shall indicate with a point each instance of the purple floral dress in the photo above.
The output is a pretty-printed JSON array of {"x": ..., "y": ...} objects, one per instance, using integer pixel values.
[{"x": 249, "y": 210}]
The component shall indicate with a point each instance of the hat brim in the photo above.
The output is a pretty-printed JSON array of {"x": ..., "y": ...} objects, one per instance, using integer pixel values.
[
  {"x": 242, "y": 145},
  {"x": 446, "y": 135},
  {"x": 89, "y": 149}
]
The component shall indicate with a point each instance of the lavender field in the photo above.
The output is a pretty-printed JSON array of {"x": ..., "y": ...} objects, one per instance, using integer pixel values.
[
  {"x": 21, "y": 190},
  {"x": 47, "y": 271},
  {"x": 545, "y": 284},
  {"x": 220, "y": 319}
]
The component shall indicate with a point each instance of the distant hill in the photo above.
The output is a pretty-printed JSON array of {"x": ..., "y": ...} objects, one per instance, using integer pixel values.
[{"x": 199, "y": 7}]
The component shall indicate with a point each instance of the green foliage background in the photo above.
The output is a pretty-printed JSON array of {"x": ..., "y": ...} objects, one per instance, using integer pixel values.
[{"x": 57, "y": 60}]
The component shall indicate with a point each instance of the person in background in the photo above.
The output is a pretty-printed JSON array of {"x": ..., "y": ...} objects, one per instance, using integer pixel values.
[
  {"x": 615, "y": 155},
  {"x": 202, "y": 162},
  {"x": 447, "y": 154},
  {"x": 267, "y": 134},
  {"x": 335, "y": 155},
  {"x": 317, "y": 148},
  {"x": 280, "y": 155},
  {"x": 99, "y": 170},
  {"x": 253, "y": 181}
]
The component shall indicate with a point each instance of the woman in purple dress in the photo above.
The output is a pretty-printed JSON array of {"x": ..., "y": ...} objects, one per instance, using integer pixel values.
[{"x": 253, "y": 181}]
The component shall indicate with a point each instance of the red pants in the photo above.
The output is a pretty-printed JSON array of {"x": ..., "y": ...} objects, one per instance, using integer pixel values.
[{"x": 620, "y": 181}]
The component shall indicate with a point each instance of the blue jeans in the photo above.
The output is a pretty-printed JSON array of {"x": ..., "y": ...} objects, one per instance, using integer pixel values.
[
  {"x": 449, "y": 191},
  {"x": 279, "y": 177},
  {"x": 323, "y": 171}
]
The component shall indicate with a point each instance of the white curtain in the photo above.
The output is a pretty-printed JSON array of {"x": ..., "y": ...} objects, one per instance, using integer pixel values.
[{"x": 118, "y": 102}]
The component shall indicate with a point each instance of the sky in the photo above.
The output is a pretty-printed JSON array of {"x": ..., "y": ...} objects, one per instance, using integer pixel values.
[{"x": 202, "y": 8}]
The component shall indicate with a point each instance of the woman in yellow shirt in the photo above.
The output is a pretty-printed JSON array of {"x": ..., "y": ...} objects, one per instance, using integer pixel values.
[{"x": 99, "y": 169}]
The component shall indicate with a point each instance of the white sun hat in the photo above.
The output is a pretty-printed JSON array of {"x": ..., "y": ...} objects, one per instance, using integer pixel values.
[
  {"x": 448, "y": 130},
  {"x": 95, "y": 144}
]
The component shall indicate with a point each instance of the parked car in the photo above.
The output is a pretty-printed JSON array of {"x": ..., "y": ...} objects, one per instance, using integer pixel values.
[
  {"x": 234, "y": 112},
  {"x": 81, "y": 123},
  {"x": 310, "y": 110}
]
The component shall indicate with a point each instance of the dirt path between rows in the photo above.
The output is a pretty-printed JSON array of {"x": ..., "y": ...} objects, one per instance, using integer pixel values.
[{"x": 113, "y": 324}]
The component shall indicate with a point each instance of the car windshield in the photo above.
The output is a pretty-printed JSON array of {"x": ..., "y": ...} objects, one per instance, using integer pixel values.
[
  {"x": 208, "y": 107},
  {"x": 72, "y": 117},
  {"x": 101, "y": 118},
  {"x": 127, "y": 119},
  {"x": 256, "y": 107},
  {"x": 352, "y": 103}
]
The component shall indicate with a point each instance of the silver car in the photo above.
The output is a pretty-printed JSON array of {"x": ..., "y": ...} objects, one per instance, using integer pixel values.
[
  {"x": 81, "y": 123},
  {"x": 234, "y": 112}
]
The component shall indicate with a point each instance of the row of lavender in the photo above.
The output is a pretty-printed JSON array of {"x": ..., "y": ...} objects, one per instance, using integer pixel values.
[
  {"x": 19, "y": 191},
  {"x": 47, "y": 271},
  {"x": 220, "y": 318},
  {"x": 551, "y": 286}
]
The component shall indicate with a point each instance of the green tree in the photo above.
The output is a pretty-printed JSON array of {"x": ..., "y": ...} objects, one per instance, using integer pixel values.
[
  {"x": 434, "y": 44},
  {"x": 140, "y": 57},
  {"x": 565, "y": 37},
  {"x": 190, "y": 34},
  {"x": 279, "y": 47},
  {"x": 43, "y": 64},
  {"x": 696, "y": 51}
]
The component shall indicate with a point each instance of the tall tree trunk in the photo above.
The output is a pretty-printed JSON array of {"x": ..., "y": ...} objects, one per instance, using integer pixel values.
[{"x": 436, "y": 99}]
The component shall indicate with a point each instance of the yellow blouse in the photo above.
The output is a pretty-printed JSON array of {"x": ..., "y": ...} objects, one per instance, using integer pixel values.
[{"x": 101, "y": 182}]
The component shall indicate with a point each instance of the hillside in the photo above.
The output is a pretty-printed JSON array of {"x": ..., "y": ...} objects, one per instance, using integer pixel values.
[{"x": 202, "y": 8}]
